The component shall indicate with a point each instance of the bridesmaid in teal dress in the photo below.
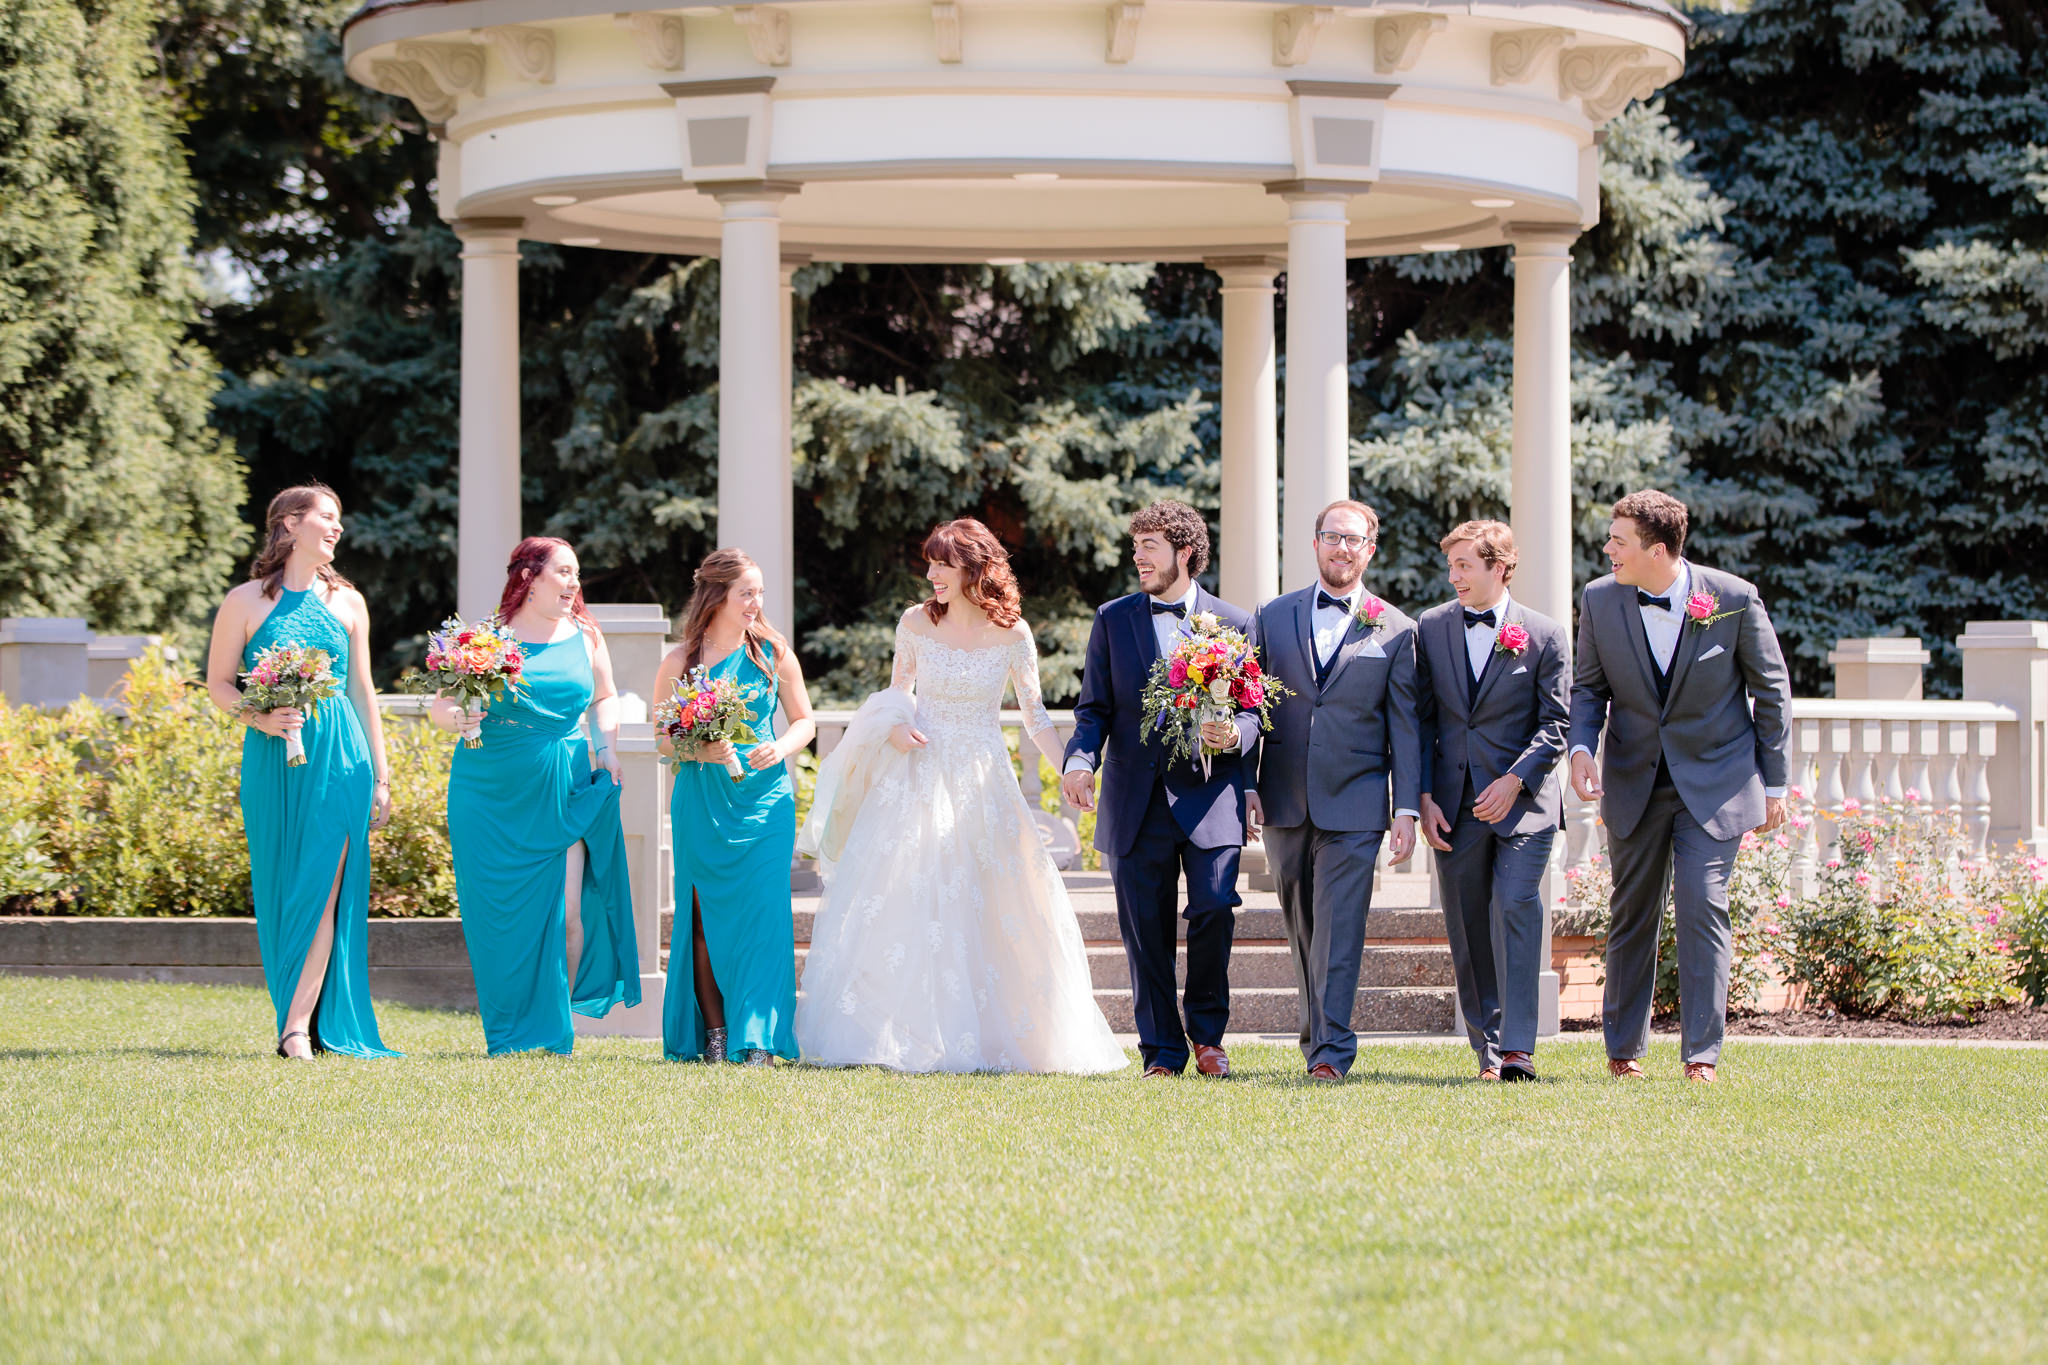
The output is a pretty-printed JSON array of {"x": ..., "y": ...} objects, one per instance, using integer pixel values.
[
  {"x": 308, "y": 826},
  {"x": 731, "y": 991},
  {"x": 540, "y": 855}
]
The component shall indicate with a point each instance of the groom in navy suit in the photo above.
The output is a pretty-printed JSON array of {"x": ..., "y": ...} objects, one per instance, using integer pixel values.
[{"x": 1158, "y": 821}]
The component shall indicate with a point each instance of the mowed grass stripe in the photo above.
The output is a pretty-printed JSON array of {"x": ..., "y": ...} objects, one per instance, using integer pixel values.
[{"x": 173, "y": 1192}]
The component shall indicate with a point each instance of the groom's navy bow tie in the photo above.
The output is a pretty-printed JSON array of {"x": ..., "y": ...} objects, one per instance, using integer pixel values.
[
  {"x": 1179, "y": 609},
  {"x": 1324, "y": 599},
  {"x": 1660, "y": 603},
  {"x": 1479, "y": 618}
]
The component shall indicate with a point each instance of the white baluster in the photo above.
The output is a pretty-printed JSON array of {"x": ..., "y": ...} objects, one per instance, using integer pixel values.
[
  {"x": 1977, "y": 789},
  {"x": 1827, "y": 791},
  {"x": 1805, "y": 746},
  {"x": 1923, "y": 741},
  {"x": 1948, "y": 804}
]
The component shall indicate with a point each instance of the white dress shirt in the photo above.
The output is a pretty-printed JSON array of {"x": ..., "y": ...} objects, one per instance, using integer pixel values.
[
  {"x": 1479, "y": 639},
  {"x": 1327, "y": 625}
]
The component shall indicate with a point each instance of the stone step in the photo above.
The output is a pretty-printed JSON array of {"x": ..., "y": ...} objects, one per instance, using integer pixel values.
[{"x": 1262, "y": 1009}]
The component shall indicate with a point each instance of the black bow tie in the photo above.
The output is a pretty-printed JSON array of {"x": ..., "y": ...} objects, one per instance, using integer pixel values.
[
  {"x": 1479, "y": 618},
  {"x": 1660, "y": 603},
  {"x": 1324, "y": 599},
  {"x": 1179, "y": 609}
]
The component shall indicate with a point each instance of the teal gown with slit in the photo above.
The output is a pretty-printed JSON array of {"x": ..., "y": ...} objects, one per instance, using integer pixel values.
[
  {"x": 304, "y": 822},
  {"x": 732, "y": 845},
  {"x": 516, "y": 806}
]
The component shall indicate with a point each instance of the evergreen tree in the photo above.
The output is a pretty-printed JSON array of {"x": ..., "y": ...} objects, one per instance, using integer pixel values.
[{"x": 117, "y": 502}]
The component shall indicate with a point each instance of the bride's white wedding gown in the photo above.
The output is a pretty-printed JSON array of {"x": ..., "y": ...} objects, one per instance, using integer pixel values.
[{"x": 944, "y": 940}]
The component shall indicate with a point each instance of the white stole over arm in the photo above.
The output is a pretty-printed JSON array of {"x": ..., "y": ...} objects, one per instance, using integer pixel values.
[{"x": 863, "y": 758}]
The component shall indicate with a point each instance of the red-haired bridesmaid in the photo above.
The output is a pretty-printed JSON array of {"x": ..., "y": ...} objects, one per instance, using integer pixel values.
[{"x": 533, "y": 818}]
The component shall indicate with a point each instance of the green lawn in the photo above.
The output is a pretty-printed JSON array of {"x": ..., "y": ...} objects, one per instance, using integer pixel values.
[{"x": 170, "y": 1191}]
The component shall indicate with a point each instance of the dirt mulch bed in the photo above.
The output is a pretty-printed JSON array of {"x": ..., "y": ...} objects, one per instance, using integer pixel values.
[{"x": 2024, "y": 1023}]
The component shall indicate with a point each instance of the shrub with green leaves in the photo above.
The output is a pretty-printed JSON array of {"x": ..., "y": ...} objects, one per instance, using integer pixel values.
[{"x": 1898, "y": 926}]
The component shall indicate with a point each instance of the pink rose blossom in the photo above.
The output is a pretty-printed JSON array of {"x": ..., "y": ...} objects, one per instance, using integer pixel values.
[
  {"x": 1177, "y": 673},
  {"x": 1834, "y": 862},
  {"x": 1513, "y": 638},
  {"x": 1700, "y": 605},
  {"x": 1851, "y": 806},
  {"x": 1783, "y": 902},
  {"x": 1862, "y": 878}
]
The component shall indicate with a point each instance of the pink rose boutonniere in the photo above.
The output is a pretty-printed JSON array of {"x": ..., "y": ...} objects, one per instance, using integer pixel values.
[
  {"x": 1512, "y": 639},
  {"x": 1370, "y": 611},
  {"x": 1704, "y": 608}
]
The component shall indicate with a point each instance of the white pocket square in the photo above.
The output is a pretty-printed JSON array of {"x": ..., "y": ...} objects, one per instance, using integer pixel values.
[
  {"x": 1523, "y": 669},
  {"x": 1372, "y": 650},
  {"x": 1717, "y": 649}
]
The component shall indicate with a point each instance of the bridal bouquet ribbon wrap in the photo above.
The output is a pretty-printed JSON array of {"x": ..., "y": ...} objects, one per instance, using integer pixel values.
[
  {"x": 288, "y": 675},
  {"x": 862, "y": 760}
]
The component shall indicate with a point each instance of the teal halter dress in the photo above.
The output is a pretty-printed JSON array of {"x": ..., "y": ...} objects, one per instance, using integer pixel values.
[
  {"x": 516, "y": 806},
  {"x": 732, "y": 843},
  {"x": 303, "y": 822}
]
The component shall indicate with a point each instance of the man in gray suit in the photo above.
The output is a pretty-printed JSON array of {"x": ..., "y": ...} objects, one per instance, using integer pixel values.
[
  {"x": 1324, "y": 770},
  {"x": 1494, "y": 680},
  {"x": 1672, "y": 658}
]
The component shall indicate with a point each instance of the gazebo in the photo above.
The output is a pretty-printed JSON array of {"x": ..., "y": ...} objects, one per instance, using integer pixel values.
[{"x": 1260, "y": 138}]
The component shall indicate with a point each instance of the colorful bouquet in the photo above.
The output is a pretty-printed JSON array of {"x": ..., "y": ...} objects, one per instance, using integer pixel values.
[
  {"x": 288, "y": 675},
  {"x": 1211, "y": 674},
  {"x": 704, "y": 710},
  {"x": 470, "y": 662}
]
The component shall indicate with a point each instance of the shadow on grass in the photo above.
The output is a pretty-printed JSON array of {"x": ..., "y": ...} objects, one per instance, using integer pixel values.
[{"x": 44, "y": 1054}]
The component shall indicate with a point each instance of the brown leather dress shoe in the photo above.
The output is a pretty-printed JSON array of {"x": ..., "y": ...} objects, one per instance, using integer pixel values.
[
  {"x": 1517, "y": 1066},
  {"x": 1625, "y": 1068},
  {"x": 1700, "y": 1071},
  {"x": 1211, "y": 1060},
  {"x": 1323, "y": 1071},
  {"x": 1489, "y": 1073},
  {"x": 1152, "y": 1071}
]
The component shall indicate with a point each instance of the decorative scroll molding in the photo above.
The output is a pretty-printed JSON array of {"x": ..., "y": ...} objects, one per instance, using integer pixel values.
[
  {"x": 1516, "y": 52},
  {"x": 659, "y": 38},
  {"x": 1397, "y": 40},
  {"x": 527, "y": 49},
  {"x": 1588, "y": 71},
  {"x": 1123, "y": 30},
  {"x": 946, "y": 29},
  {"x": 1628, "y": 84},
  {"x": 767, "y": 32},
  {"x": 412, "y": 81},
  {"x": 453, "y": 66},
  {"x": 1294, "y": 33}
]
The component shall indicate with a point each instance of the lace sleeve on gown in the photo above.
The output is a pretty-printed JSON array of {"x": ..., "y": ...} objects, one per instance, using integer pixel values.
[
  {"x": 904, "y": 672},
  {"x": 1024, "y": 676}
]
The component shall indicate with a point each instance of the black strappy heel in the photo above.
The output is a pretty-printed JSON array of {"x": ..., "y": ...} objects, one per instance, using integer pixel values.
[{"x": 295, "y": 1033}]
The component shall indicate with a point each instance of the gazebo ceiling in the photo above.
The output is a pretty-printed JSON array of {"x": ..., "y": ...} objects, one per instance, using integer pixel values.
[{"x": 991, "y": 129}]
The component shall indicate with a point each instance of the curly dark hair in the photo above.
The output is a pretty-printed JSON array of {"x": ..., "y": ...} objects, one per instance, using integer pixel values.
[
  {"x": 1183, "y": 528},
  {"x": 1660, "y": 518},
  {"x": 973, "y": 549}
]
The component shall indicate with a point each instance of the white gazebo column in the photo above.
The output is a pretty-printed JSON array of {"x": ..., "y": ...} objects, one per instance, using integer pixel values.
[
  {"x": 1540, "y": 488},
  {"x": 1318, "y": 449},
  {"x": 487, "y": 516},
  {"x": 1249, "y": 571},
  {"x": 1540, "y": 496},
  {"x": 782, "y": 592},
  {"x": 753, "y": 387}
]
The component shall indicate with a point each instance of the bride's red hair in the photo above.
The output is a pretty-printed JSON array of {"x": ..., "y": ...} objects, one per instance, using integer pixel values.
[{"x": 973, "y": 549}]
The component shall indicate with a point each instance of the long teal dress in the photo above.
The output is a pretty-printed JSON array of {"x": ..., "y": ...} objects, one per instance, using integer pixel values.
[
  {"x": 516, "y": 806},
  {"x": 732, "y": 843},
  {"x": 302, "y": 822}
]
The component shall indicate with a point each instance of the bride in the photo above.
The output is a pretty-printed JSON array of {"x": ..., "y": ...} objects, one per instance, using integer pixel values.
[{"x": 944, "y": 940}]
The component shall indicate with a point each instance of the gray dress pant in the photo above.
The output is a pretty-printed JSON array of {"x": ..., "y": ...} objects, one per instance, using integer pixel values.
[
  {"x": 1493, "y": 917},
  {"x": 1325, "y": 880},
  {"x": 1668, "y": 839}
]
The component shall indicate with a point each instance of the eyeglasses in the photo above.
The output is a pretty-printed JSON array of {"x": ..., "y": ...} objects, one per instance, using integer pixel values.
[{"x": 1333, "y": 540}]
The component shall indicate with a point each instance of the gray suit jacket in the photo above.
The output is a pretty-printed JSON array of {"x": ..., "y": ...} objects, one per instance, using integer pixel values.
[
  {"x": 1332, "y": 755},
  {"x": 1516, "y": 724},
  {"x": 1721, "y": 757}
]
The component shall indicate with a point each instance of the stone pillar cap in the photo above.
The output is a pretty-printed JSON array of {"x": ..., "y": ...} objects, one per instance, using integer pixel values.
[
  {"x": 2004, "y": 635},
  {"x": 1876, "y": 649},
  {"x": 45, "y": 630}
]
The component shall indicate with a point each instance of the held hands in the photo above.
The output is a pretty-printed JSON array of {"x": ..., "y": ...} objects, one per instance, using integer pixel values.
[
  {"x": 1401, "y": 843},
  {"x": 907, "y": 738},
  {"x": 1434, "y": 826},
  {"x": 1079, "y": 789},
  {"x": 277, "y": 724},
  {"x": 1220, "y": 735},
  {"x": 1498, "y": 799},
  {"x": 1585, "y": 776}
]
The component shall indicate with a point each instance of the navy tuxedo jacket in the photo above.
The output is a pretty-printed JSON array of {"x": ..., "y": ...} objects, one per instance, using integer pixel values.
[{"x": 1121, "y": 651}]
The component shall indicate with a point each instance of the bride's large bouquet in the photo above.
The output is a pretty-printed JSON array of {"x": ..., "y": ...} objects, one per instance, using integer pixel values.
[
  {"x": 704, "y": 710},
  {"x": 471, "y": 663},
  {"x": 1212, "y": 673},
  {"x": 288, "y": 675}
]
